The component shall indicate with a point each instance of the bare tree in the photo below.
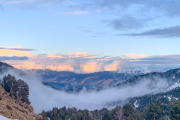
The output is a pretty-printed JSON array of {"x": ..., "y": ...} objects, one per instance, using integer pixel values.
[
  {"x": 11, "y": 91},
  {"x": 119, "y": 115},
  {"x": 18, "y": 96}
]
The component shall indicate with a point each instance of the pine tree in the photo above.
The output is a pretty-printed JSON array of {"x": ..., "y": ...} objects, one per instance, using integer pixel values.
[
  {"x": 154, "y": 111},
  {"x": 175, "y": 112},
  {"x": 129, "y": 112}
]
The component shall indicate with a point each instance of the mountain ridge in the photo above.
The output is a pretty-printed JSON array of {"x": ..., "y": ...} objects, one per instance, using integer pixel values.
[{"x": 70, "y": 80}]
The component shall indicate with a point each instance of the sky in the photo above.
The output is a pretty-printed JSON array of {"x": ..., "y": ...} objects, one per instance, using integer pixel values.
[{"x": 90, "y": 36}]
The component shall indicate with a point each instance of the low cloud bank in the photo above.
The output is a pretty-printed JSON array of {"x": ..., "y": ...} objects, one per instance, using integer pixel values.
[
  {"x": 45, "y": 98},
  {"x": 82, "y": 62}
]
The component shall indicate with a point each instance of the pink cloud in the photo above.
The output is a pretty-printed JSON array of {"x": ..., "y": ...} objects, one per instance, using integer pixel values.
[
  {"x": 132, "y": 56},
  {"x": 79, "y": 62},
  {"x": 15, "y": 51},
  {"x": 113, "y": 67}
]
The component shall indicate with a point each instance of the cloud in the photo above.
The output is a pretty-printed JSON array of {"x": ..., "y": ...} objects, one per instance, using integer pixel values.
[
  {"x": 113, "y": 67},
  {"x": 164, "y": 32},
  {"x": 135, "y": 7},
  {"x": 158, "y": 62},
  {"x": 91, "y": 32},
  {"x": 16, "y": 48},
  {"x": 164, "y": 59},
  {"x": 18, "y": 2},
  {"x": 54, "y": 56},
  {"x": 91, "y": 67},
  {"x": 60, "y": 68},
  {"x": 78, "y": 62},
  {"x": 129, "y": 14},
  {"x": 135, "y": 14},
  {"x": 35, "y": 4},
  {"x": 13, "y": 58},
  {"x": 122, "y": 3},
  {"x": 80, "y": 12},
  {"x": 169, "y": 7},
  {"x": 124, "y": 23},
  {"x": 132, "y": 56},
  {"x": 76, "y": 13},
  {"x": 79, "y": 54},
  {"x": 81, "y": 62},
  {"x": 26, "y": 65},
  {"x": 65, "y": 68},
  {"x": 71, "y": 55},
  {"x": 15, "y": 51}
]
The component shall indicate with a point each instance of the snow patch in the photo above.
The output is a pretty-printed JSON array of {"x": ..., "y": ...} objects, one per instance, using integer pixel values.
[
  {"x": 4, "y": 118},
  {"x": 138, "y": 71},
  {"x": 169, "y": 98},
  {"x": 136, "y": 104},
  {"x": 173, "y": 87}
]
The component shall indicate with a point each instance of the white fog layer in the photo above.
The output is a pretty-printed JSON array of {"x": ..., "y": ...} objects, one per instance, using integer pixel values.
[{"x": 45, "y": 98}]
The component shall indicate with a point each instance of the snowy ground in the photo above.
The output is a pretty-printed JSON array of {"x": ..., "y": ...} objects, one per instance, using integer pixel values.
[{"x": 4, "y": 118}]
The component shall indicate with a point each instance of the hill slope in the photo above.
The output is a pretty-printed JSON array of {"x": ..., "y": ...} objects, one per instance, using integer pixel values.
[
  {"x": 170, "y": 90},
  {"x": 171, "y": 77},
  {"x": 69, "y": 80},
  {"x": 10, "y": 109},
  {"x": 4, "y": 67}
]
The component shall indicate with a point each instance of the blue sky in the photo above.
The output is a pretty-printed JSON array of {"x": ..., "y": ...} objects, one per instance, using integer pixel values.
[{"x": 98, "y": 27}]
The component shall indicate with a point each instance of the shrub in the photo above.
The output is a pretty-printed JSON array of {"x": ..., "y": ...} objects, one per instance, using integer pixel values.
[{"x": 8, "y": 107}]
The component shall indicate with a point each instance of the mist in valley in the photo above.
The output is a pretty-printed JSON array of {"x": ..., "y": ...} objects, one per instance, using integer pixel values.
[{"x": 43, "y": 97}]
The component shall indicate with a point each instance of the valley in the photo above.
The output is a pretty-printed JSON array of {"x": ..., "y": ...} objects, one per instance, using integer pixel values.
[{"x": 153, "y": 86}]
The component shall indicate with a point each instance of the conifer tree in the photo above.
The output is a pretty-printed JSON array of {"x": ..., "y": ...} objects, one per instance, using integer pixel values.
[{"x": 175, "y": 112}]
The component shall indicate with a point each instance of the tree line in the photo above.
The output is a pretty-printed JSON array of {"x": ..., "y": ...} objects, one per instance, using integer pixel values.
[{"x": 155, "y": 111}]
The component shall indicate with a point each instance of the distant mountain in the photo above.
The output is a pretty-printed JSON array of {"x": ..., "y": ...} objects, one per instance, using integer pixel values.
[
  {"x": 4, "y": 67},
  {"x": 171, "y": 90},
  {"x": 172, "y": 78},
  {"x": 97, "y": 80},
  {"x": 71, "y": 81},
  {"x": 136, "y": 72},
  {"x": 165, "y": 97}
]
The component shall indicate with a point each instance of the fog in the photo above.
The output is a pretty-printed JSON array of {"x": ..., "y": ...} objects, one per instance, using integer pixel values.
[{"x": 45, "y": 98}]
